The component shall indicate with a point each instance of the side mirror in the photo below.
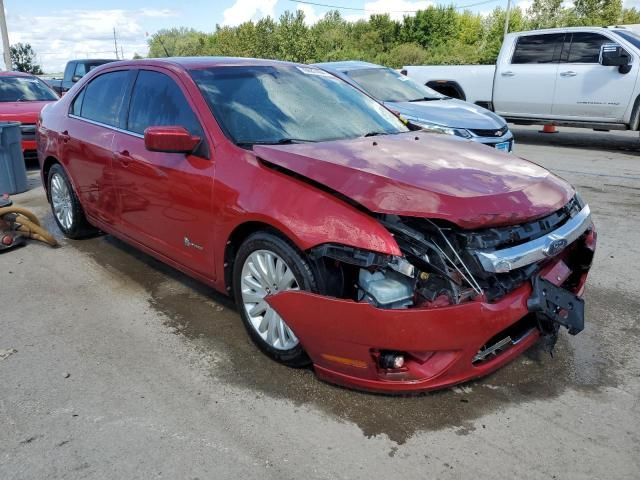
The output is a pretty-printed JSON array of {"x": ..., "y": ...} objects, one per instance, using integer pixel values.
[
  {"x": 75, "y": 78},
  {"x": 170, "y": 139},
  {"x": 613, "y": 55}
]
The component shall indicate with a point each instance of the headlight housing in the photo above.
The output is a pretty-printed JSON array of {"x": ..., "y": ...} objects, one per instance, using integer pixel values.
[{"x": 458, "y": 132}]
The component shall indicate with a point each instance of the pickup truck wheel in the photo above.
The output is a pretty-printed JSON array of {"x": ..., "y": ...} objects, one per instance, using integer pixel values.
[
  {"x": 265, "y": 265},
  {"x": 66, "y": 207}
]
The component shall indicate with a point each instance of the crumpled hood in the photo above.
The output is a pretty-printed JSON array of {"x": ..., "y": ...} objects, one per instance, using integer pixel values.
[
  {"x": 449, "y": 113},
  {"x": 430, "y": 175},
  {"x": 25, "y": 112}
]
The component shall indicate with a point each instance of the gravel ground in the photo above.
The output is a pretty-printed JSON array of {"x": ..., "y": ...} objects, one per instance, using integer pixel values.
[{"x": 113, "y": 365}]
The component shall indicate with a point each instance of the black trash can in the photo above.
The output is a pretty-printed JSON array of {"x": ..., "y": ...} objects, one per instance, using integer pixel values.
[{"x": 13, "y": 172}]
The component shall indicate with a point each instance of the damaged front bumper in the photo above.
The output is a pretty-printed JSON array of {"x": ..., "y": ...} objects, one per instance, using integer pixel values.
[{"x": 441, "y": 346}]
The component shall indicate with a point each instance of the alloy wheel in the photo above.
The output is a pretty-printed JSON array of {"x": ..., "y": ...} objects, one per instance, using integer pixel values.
[
  {"x": 61, "y": 201},
  {"x": 265, "y": 273}
]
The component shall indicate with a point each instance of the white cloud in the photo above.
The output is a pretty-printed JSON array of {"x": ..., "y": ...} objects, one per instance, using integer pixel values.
[
  {"x": 310, "y": 15},
  {"x": 245, "y": 10},
  {"x": 69, "y": 34}
]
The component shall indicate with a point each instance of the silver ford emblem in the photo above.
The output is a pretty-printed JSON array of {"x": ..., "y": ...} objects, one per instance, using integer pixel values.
[{"x": 555, "y": 247}]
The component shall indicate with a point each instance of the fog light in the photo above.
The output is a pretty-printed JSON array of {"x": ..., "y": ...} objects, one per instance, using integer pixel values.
[{"x": 391, "y": 360}]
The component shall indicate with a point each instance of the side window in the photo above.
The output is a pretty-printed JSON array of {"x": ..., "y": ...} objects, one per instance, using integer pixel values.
[
  {"x": 76, "y": 106},
  {"x": 157, "y": 101},
  {"x": 103, "y": 97},
  {"x": 585, "y": 47},
  {"x": 538, "y": 48}
]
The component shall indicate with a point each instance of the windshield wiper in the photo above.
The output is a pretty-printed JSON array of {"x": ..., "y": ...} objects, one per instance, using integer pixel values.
[
  {"x": 425, "y": 99},
  {"x": 375, "y": 134},
  {"x": 279, "y": 141}
]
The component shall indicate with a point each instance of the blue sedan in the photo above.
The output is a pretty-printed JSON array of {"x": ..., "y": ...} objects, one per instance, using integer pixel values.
[{"x": 423, "y": 106}]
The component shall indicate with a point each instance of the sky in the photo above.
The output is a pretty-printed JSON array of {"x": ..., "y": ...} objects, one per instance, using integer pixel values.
[{"x": 59, "y": 30}]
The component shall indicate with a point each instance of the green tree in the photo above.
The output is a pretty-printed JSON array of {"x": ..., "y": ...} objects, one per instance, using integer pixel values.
[
  {"x": 23, "y": 59},
  {"x": 597, "y": 12},
  {"x": 546, "y": 14}
]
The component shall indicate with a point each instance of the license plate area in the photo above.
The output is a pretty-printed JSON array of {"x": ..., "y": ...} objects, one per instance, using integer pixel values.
[
  {"x": 503, "y": 146},
  {"x": 557, "y": 304}
]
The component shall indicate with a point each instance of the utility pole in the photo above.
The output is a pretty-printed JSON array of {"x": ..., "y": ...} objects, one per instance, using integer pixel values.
[
  {"x": 6, "y": 48},
  {"x": 115, "y": 42},
  {"x": 506, "y": 20}
]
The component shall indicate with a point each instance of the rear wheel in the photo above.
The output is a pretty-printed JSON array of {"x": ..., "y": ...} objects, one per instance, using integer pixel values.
[
  {"x": 66, "y": 207},
  {"x": 265, "y": 265}
]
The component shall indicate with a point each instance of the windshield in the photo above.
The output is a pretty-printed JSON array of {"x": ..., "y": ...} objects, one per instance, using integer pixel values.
[
  {"x": 629, "y": 36},
  {"x": 388, "y": 85},
  {"x": 24, "y": 89},
  {"x": 289, "y": 103}
]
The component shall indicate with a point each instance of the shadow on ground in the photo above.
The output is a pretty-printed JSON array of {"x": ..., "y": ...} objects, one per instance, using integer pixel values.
[
  {"x": 210, "y": 323},
  {"x": 579, "y": 138}
]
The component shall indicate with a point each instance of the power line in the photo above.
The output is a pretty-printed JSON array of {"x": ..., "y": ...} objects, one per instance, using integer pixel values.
[{"x": 338, "y": 7}]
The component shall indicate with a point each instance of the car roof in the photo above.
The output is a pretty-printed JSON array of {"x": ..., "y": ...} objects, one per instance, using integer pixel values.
[
  {"x": 346, "y": 66},
  {"x": 202, "y": 62}
]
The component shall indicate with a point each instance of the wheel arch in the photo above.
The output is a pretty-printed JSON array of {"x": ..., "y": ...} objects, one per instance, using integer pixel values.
[
  {"x": 634, "y": 120},
  {"x": 238, "y": 235},
  {"x": 49, "y": 162},
  {"x": 450, "y": 88}
]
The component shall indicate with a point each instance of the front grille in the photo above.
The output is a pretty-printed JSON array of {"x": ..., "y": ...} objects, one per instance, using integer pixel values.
[
  {"x": 28, "y": 131},
  {"x": 490, "y": 132},
  {"x": 504, "y": 237}
]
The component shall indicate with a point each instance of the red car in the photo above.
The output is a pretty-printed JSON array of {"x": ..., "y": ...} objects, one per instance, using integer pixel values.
[
  {"x": 22, "y": 96},
  {"x": 392, "y": 260}
]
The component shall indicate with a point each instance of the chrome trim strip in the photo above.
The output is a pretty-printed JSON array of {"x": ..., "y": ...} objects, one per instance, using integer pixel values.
[
  {"x": 110, "y": 127},
  {"x": 502, "y": 261}
]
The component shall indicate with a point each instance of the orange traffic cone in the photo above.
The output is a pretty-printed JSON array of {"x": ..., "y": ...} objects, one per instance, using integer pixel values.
[{"x": 548, "y": 128}]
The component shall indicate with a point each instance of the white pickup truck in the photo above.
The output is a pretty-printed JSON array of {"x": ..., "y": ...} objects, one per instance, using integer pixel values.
[{"x": 579, "y": 77}]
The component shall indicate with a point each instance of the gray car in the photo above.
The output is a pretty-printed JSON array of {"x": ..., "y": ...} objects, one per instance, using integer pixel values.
[{"x": 423, "y": 106}]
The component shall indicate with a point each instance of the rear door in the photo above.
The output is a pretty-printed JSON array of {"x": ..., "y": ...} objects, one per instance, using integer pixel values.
[
  {"x": 586, "y": 90},
  {"x": 88, "y": 140},
  {"x": 525, "y": 81},
  {"x": 165, "y": 198}
]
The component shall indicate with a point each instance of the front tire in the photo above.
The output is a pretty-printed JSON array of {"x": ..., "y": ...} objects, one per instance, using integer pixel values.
[
  {"x": 66, "y": 207},
  {"x": 267, "y": 264}
]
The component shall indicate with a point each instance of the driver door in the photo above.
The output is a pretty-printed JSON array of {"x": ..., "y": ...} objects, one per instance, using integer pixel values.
[
  {"x": 165, "y": 198},
  {"x": 585, "y": 89}
]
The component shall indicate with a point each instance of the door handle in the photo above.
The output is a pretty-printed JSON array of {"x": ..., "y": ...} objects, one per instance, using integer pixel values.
[
  {"x": 569, "y": 73},
  {"x": 508, "y": 73},
  {"x": 124, "y": 157},
  {"x": 64, "y": 136}
]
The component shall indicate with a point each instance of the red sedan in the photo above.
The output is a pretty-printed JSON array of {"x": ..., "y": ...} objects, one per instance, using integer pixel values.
[
  {"x": 22, "y": 96},
  {"x": 389, "y": 258}
]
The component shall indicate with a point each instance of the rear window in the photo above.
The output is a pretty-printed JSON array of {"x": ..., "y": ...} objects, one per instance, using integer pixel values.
[
  {"x": 538, "y": 48},
  {"x": 103, "y": 98}
]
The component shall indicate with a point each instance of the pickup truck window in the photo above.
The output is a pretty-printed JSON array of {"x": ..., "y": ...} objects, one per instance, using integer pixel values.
[
  {"x": 157, "y": 101},
  {"x": 103, "y": 97},
  {"x": 538, "y": 48},
  {"x": 630, "y": 37},
  {"x": 585, "y": 47}
]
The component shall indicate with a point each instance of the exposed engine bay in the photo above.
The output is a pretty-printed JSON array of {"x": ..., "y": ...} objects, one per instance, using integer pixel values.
[{"x": 446, "y": 265}]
